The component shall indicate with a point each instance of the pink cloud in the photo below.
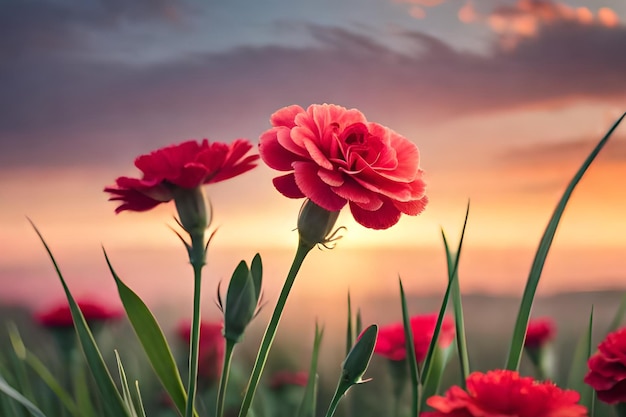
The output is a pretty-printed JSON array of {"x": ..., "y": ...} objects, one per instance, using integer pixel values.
[
  {"x": 417, "y": 7},
  {"x": 608, "y": 17},
  {"x": 467, "y": 13},
  {"x": 527, "y": 18},
  {"x": 417, "y": 12}
]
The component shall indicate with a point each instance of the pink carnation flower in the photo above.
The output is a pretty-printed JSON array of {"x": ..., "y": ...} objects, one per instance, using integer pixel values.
[{"x": 334, "y": 157}]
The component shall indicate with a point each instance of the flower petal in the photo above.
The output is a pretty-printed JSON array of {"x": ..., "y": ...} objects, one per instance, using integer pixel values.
[
  {"x": 274, "y": 154},
  {"x": 309, "y": 182},
  {"x": 412, "y": 208},
  {"x": 383, "y": 218},
  {"x": 286, "y": 116},
  {"x": 286, "y": 185}
]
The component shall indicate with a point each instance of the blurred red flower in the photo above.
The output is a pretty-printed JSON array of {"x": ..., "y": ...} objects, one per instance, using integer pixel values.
[
  {"x": 335, "y": 156},
  {"x": 607, "y": 368},
  {"x": 212, "y": 347},
  {"x": 186, "y": 165},
  {"x": 391, "y": 341},
  {"x": 539, "y": 332},
  {"x": 503, "y": 393},
  {"x": 282, "y": 378},
  {"x": 61, "y": 316}
]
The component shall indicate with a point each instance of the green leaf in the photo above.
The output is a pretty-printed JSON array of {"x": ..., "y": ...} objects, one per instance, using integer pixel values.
[
  {"x": 11, "y": 392},
  {"x": 113, "y": 403},
  {"x": 410, "y": 348},
  {"x": 40, "y": 369},
  {"x": 519, "y": 332},
  {"x": 307, "y": 407},
  {"x": 579, "y": 367},
  {"x": 152, "y": 340},
  {"x": 461, "y": 341}
]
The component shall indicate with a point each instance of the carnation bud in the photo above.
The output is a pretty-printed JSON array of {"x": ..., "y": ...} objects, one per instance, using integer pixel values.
[
  {"x": 355, "y": 364},
  {"x": 242, "y": 299},
  {"x": 315, "y": 224},
  {"x": 192, "y": 210}
]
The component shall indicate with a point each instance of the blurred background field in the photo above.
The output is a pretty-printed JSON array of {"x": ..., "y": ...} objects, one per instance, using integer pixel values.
[{"x": 489, "y": 320}]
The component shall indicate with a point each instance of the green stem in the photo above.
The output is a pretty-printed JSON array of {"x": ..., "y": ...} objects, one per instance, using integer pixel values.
[
  {"x": 221, "y": 393},
  {"x": 197, "y": 257},
  {"x": 270, "y": 332},
  {"x": 621, "y": 409}
]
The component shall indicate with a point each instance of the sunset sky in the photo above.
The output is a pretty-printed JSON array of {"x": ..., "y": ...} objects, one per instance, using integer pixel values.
[{"x": 503, "y": 98}]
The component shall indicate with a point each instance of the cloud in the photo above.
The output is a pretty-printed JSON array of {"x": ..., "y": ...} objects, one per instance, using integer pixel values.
[
  {"x": 417, "y": 8},
  {"x": 540, "y": 155},
  {"x": 467, "y": 13},
  {"x": 417, "y": 12},
  {"x": 527, "y": 18},
  {"x": 61, "y": 107}
]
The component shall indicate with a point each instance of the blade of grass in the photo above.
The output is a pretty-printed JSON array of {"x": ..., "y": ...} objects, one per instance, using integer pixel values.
[
  {"x": 82, "y": 392},
  {"x": 349, "y": 331},
  {"x": 410, "y": 348},
  {"x": 519, "y": 332},
  {"x": 307, "y": 407},
  {"x": 16, "y": 356},
  {"x": 619, "y": 315},
  {"x": 112, "y": 400},
  {"x": 579, "y": 367},
  {"x": 140, "y": 406},
  {"x": 11, "y": 392},
  {"x": 459, "y": 321},
  {"x": 442, "y": 311},
  {"x": 41, "y": 370},
  {"x": 152, "y": 340},
  {"x": 439, "y": 362},
  {"x": 126, "y": 396},
  {"x": 10, "y": 407}
]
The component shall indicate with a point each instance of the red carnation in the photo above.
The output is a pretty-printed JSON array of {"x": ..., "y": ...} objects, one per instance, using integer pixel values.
[
  {"x": 334, "y": 157},
  {"x": 187, "y": 165},
  {"x": 607, "y": 368},
  {"x": 504, "y": 393},
  {"x": 391, "y": 341},
  {"x": 61, "y": 316},
  {"x": 284, "y": 378},
  {"x": 212, "y": 347},
  {"x": 540, "y": 331}
]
